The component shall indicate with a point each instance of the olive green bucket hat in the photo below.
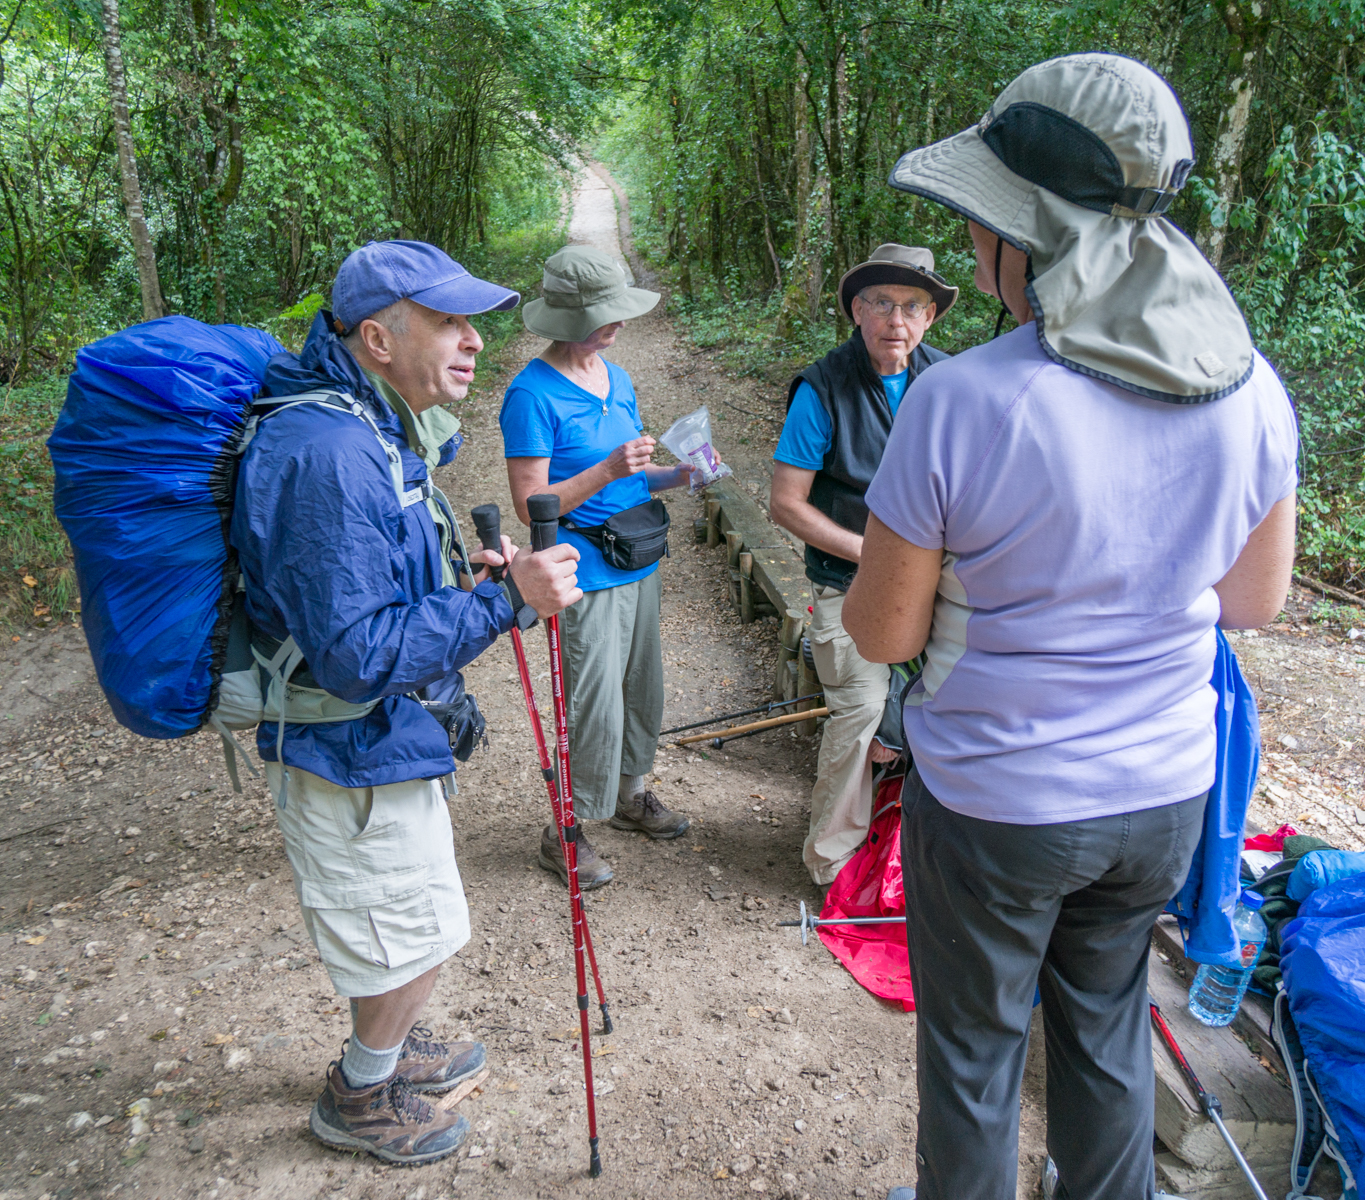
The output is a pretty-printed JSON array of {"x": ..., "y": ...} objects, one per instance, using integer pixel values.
[
  {"x": 1074, "y": 164},
  {"x": 581, "y": 290}
]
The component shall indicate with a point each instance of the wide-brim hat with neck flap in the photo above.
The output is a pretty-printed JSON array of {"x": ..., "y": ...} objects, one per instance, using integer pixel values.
[
  {"x": 582, "y": 289},
  {"x": 905, "y": 266},
  {"x": 1074, "y": 164}
]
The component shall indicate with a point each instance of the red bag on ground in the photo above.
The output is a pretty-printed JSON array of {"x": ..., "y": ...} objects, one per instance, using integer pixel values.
[
  {"x": 1270, "y": 841},
  {"x": 870, "y": 885}
]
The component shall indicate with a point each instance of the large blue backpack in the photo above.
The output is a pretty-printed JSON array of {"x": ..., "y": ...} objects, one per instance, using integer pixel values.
[{"x": 145, "y": 452}]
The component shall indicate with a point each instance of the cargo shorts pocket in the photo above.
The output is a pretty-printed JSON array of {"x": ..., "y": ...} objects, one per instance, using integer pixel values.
[{"x": 385, "y": 920}]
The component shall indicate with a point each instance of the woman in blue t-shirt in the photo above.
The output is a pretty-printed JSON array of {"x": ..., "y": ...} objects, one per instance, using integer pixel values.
[{"x": 570, "y": 425}]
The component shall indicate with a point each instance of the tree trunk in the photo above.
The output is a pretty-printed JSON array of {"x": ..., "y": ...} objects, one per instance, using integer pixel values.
[
  {"x": 1249, "y": 30},
  {"x": 143, "y": 252}
]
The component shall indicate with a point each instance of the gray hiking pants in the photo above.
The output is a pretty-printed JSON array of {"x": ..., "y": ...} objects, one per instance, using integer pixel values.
[
  {"x": 993, "y": 910},
  {"x": 614, "y": 679}
]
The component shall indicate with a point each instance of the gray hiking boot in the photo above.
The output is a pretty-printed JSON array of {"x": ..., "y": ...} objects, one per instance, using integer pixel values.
[
  {"x": 593, "y": 871},
  {"x": 645, "y": 814},
  {"x": 388, "y": 1120}
]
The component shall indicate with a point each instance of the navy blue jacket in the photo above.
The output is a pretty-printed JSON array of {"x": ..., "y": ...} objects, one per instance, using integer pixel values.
[{"x": 329, "y": 556}]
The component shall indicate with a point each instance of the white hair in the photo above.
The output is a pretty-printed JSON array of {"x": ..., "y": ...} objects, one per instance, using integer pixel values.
[{"x": 394, "y": 318}]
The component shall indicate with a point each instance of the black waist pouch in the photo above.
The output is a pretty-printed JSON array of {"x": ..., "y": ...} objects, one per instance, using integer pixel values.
[
  {"x": 458, "y": 713},
  {"x": 631, "y": 540}
]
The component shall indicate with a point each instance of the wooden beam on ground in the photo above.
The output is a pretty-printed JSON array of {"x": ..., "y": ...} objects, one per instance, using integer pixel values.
[{"x": 1257, "y": 1106}]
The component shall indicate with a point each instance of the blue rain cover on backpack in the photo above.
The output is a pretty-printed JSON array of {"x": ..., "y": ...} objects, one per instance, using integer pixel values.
[
  {"x": 1323, "y": 960},
  {"x": 1208, "y": 898},
  {"x": 145, "y": 452}
]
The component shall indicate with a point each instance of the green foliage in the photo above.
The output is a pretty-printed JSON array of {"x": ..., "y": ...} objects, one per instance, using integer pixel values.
[
  {"x": 32, "y": 544},
  {"x": 1300, "y": 287}
]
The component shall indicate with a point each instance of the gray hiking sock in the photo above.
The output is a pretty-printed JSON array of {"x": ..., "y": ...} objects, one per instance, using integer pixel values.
[
  {"x": 631, "y": 786},
  {"x": 364, "y": 1067}
]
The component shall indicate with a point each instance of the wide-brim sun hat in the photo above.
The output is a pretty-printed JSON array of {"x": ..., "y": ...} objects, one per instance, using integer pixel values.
[
  {"x": 903, "y": 266},
  {"x": 382, "y": 273},
  {"x": 582, "y": 289},
  {"x": 1074, "y": 164}
]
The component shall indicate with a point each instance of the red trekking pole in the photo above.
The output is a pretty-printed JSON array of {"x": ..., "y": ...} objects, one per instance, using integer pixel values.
[
  {"x": 544, "y": 513},
  {"x": 488, "y": 522}
]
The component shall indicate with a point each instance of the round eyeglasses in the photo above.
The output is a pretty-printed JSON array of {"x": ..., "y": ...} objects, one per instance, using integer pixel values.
[{"x": 884, "y": 308}]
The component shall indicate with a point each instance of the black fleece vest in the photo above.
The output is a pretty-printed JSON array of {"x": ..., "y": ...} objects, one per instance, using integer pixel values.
[{"x": 852, "y": 394}]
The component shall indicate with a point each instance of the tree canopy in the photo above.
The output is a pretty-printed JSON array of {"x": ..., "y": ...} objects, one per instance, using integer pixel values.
[{"x": 264, "y": 139}]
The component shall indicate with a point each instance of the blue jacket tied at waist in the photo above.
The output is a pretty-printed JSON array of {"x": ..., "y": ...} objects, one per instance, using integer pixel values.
[
  {"x": 329, "y": 556},
  {"x": 1208, "y": 899}
]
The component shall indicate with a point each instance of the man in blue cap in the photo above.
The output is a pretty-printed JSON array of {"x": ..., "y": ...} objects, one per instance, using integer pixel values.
[{"x": 362, "y": 615}]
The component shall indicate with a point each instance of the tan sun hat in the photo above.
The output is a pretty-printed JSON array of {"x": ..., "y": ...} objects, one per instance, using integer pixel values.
[
  {"x": 1074, "y": 164},
  {"x": 582, "y": 289},
  {"x": 905, "y": 266}
]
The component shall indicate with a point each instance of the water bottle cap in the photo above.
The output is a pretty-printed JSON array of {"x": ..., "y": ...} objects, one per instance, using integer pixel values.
[{"x": 1252, "y": 900}]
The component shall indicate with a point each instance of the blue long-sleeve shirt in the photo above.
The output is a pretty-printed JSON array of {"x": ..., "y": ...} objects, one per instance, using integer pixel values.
[{"x": 329, "y": 556}]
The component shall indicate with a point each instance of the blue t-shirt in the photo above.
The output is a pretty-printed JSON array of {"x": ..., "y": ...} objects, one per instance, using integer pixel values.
[
  {"x": 545, "y": 414},
  {"x": 808, "y": 433}
]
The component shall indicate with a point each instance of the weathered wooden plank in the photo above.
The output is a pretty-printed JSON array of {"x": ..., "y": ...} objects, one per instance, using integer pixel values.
[
  {"x": 782, "y": 576},
  {"x": 1257, "y": 1107},
  {"x": 742, "y": 514}
]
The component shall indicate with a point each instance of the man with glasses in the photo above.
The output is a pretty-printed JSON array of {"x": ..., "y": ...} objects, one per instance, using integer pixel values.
[{"x": 839, "y": 415}]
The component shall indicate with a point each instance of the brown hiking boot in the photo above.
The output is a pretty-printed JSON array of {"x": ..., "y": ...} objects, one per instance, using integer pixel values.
[
  {"x": 593, "y": 871},
  {"x": 643, "y": 813},
  {"x": 431, "y": 1066},
  {"x": 388, "y": 1120}
]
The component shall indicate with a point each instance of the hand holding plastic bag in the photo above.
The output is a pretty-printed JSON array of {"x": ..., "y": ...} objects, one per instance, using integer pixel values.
[{"x": 689, "y": 439}]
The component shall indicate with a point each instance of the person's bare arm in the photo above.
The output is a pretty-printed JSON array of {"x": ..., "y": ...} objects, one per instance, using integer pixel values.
[
  {"x": 1254, "y": 591},
  {"x": 791, "y": 508},
  {"x": 890, "y": 607},
  {"x": 531, "y": 476}
]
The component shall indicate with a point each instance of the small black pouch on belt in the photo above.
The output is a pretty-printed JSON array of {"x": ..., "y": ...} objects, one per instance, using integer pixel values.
[{"x": 632, "y": 539}]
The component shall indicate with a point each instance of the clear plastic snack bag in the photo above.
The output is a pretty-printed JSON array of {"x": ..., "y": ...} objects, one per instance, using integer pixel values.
[{"x": 689, "y": 440}]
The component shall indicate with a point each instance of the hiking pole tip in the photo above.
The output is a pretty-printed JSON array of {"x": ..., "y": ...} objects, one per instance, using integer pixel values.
[
  {"x": 606, "y": 1018},
  {"x": 595, "y": 1163}
]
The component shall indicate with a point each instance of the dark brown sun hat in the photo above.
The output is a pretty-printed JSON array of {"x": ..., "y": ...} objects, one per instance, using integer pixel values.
[{"x": 905, "y": 266}]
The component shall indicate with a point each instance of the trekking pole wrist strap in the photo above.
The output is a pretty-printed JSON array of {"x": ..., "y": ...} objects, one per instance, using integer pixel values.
[{"x": 523, "y": 615}]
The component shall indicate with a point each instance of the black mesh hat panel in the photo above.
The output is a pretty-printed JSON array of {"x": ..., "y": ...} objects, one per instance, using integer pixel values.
[{"x": 1057, "y": 152}]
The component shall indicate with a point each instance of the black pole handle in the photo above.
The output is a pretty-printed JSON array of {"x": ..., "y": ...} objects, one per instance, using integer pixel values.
[
  {"x": 544, "y": 514},
  {"x": 488, "y": 523}
]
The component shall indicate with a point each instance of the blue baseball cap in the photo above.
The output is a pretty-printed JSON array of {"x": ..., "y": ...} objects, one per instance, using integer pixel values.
[{"x": 382, "y": 273}]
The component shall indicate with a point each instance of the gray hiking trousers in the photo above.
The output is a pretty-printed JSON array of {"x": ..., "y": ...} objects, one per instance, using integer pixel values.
[{"x": 993, "y": 910}]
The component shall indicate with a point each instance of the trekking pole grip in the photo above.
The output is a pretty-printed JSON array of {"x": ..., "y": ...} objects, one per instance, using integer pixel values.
[
  {"x": 544, "y": 514},
  {"x": 488, "y": 523}
]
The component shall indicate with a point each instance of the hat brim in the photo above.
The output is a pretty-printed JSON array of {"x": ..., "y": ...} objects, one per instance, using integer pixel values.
[
  {"x": 467, "y": 296},
  {"x": 964, "y": 174},
  {"x": 870, "y": 274},
  {"x": 1130, "y": 301},
  {"x": 576, "y": 324}
]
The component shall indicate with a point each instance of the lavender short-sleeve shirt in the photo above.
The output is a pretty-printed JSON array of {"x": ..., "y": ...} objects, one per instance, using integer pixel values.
[{"x": 1083, "y": 528}]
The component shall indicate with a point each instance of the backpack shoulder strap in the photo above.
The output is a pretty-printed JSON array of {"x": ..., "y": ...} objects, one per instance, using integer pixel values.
[{"x": 344, "y": 402}]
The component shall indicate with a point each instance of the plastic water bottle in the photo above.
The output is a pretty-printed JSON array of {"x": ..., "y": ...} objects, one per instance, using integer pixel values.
[{"x": 1217, "y": 992}]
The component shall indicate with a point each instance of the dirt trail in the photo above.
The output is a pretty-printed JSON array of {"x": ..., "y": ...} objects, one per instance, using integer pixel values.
[{"x": 165, "y": 1022}]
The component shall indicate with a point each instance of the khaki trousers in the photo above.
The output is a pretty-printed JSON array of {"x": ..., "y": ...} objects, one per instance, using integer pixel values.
[
  {"x": 855, "y": 692},
  {"x": 614, "y": 677}
]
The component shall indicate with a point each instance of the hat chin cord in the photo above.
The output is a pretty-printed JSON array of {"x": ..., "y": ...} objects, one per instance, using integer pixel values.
[{"x": 999, "y": 291}]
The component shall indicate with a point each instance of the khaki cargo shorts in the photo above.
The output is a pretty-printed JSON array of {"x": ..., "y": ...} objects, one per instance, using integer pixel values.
[{"x": 375, "y": 873}]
